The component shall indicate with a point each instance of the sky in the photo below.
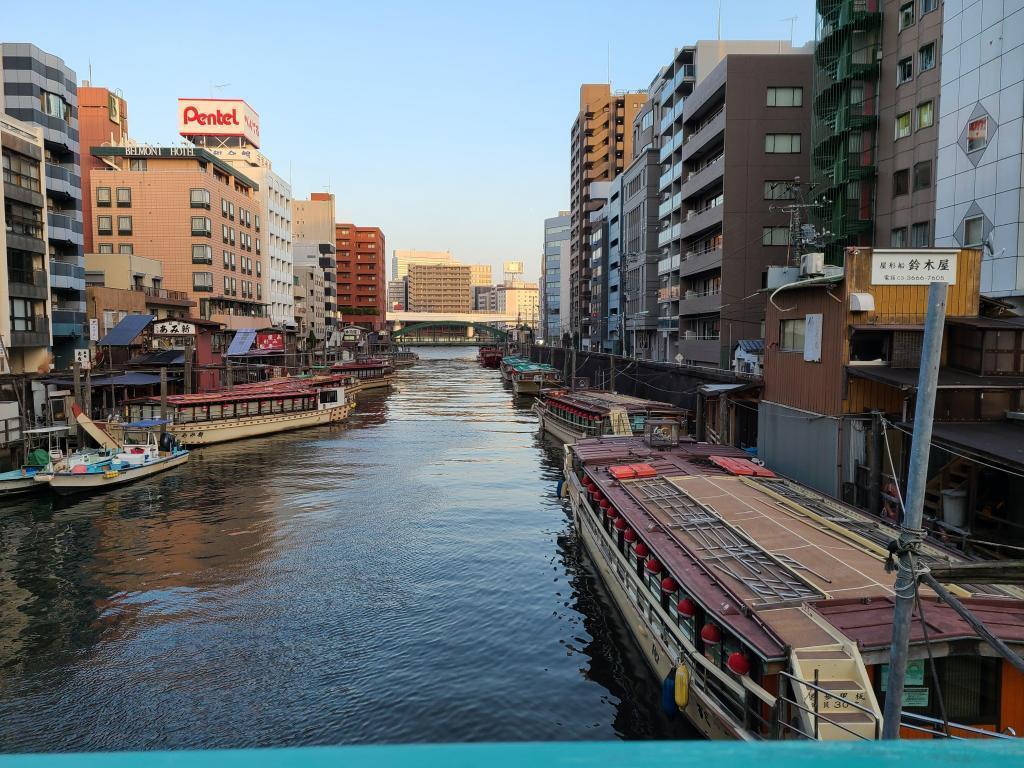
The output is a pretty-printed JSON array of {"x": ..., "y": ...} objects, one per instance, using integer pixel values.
[{"x": 445, "y": 123}]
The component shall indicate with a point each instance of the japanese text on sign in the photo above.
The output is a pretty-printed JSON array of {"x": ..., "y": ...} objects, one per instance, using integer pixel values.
[{"x": 909, "y": 267}]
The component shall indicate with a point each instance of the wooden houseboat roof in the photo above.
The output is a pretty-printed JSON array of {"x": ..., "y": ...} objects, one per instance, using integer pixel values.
[
  {"x": 600, "y": 401},
  {"x": 283, "y": 387}
]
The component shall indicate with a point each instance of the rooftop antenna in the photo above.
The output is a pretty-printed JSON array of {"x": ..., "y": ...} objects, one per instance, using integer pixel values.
[
  {"x": 719, "y": 20},
  {"x": 217, "y": 87},
  {"x": 792, "y": 21},
  {"x": 90, "y": 71},
  {"x": 609, "y": 64}
]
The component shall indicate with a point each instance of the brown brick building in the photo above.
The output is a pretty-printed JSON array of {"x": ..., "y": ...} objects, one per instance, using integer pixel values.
[
  {"x": 102, "y": 120},
  {"x": 362, "y": 288}
]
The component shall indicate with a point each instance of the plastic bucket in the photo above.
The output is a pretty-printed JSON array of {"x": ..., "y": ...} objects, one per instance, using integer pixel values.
[{"x": 954, "y": 508}]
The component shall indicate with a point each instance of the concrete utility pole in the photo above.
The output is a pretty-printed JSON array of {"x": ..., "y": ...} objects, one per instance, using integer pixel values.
[
  {"x": 77, "y": 371},
  {"x": 911, "y": 533},
  {"x": 163, "y": 398}
]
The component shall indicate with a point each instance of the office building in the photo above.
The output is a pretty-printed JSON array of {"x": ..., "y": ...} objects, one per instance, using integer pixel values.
[
  {"x": 311, "y": 302},
  {"x": 554, "y": 290},
  {"x": 876, "y": 96},
  {"x": 313, "y": 225},
  {"x": 40, "y": 90},
  {"x": 601, "y": 145},
  {"x": 439, "y": 287},
  {"x": 980, "y": 182},
  {"x": 24, "y": 274},
  {"x": 401, "y": 259},
  {"x": 362, "y": 292},
  {"x": 480, "y": 274},
  {"x": 639, "y": 257},
  {"x": 398, "y": 294},
  {"x": 733, "y": 140},
  {"x": 519, "y": 299},
  {"x": 102, "y": 120}
]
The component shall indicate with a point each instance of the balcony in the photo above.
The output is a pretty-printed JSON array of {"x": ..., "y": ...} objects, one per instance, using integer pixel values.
[
  {"x": 68, "y": 323},
  {"x": 68, "y": 277},
  {"x": 703, "y": 350},
  {"x": 163, "y": 296},
  {"x": 668, "y": 264},
  {"x": 62, "y": 181},
  {"x": 669, "y": 293},
  {"x": 64, "y": 228},
  {"x": 27, "y": 284},
  {"x": 664, "y": 236},
  {"x": 709, "y": 130},
  {"x": 699, "y": 261},
  {"x": 698, "y": 221},
  {"x": 668, "y": 324},
  {"x": 698, "y": 181},
  {"x": 700, "y": 303}
]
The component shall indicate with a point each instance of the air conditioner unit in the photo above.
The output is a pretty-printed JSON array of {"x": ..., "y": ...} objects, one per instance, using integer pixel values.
[
  {"x": 812, "y": 264},
  {"x": 690, "y": 294},
  {"x": 690, "y": 335}
]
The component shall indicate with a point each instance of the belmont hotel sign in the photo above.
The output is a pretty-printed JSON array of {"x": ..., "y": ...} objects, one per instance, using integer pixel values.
[{"x": 218, "y": 117}]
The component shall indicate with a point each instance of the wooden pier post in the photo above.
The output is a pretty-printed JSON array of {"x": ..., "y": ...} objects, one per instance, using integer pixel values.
[{"x": 163, "y": 398}]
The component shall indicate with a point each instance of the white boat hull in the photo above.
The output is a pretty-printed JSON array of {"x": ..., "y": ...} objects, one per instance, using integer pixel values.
[
  {"x": 210, "y": 432},
  {"x": 554, "y": 427},
  {"x": 17, "y": 485},
  {"x": 66, "y": 483}
]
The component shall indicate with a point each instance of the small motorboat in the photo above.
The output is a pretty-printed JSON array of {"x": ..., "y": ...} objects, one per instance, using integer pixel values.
[{"x": 37, "y": 460}]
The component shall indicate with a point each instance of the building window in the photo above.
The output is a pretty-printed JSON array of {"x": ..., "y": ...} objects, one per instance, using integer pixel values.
[
  {"x": 920, "y": 234},
  {"x": 925, "y": 115},
  {"x": 928, "y": 5},
  {"x": 926, "y": 57},
  {"x": 227, "y": 260},
  {"x": 775, "y": 236},
  {"x": 124, "y": 225},
  {"x": 55, "y": 106},
  {"x": 785, "y": 97},
  {"x": 779, "y": 190},
  {"x": 257, "y": 222},
  {"x": 199, "y": 198},
  {"x": 898, "y": 238},
  {"x": 904, "y": 70},
  {"x": 201, "y": 226},
  {"x": 124, "y": 197},
  {"x": 903, "y": 125},
  {"x": 922, "y": 175},
  {"x": 224, "y": 232},
  {"x": 906, "y": 15},
  {"x": 900, "y": 183},
  {"x": 138, "y": 164},
  {"x": 231, "y": 211},
  {"x": 227, "y": 284},
  {"x": 259, "y": 269},
  {"x": 782, "y": 143},
  {"x": 977, "y": 134},
  {"x": 103, "y": 197},
  {"x": 224, "y": 206},
  {"x": 202, "y": 281},
  {"x": 126, "y": 248},
  {"x": 974, "y": 231},
  {"x": 257, "y": 246},
  {"x": 104, "y": 225},
  {"x": 106, "y": 248},
  {"x": 791, "y": 335},
  {"x": 202, "y": 253}
]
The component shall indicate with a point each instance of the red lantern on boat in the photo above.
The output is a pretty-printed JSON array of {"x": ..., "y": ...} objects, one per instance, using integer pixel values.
[
  {"x": 612, "y": 512},
  {"x": 738, "y": 663},
  {"x": 686, "y": 608},
  {"x": 596, "y": 495},
  {"x": 711, "y": 634},
  {"x": 620, "y": 524},
  {"x": 605, "y": 504},
  {"x": 640, "y": 550},
  {"x": 653, "y": 565},
  {"x": 668, "y": 584},
  {"x": 629, "y": 535}
]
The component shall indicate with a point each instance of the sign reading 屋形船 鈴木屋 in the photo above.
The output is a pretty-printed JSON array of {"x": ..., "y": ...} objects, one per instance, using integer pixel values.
[
  {"x": 218, "y": 117},
  {"x": 913, "y": 266}
]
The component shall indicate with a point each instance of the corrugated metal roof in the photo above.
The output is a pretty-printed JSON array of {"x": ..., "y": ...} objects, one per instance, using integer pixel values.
[
  {"x": 243, "y": 341},
  {"x": 126, "y": 331},
  {"x": 752, "y": 346}
]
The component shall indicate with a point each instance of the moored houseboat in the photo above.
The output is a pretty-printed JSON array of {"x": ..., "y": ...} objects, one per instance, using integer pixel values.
[
  {"x": 489, "y": 357},
  {"x": 248, "y": 410},
  {"x": 367, "y": 374},
  {"x": 571, "y": 415},
  {"x": 508, "y": 363},
  {"x": 766, "y": 609},
  {"x": 531, "y": 378}
]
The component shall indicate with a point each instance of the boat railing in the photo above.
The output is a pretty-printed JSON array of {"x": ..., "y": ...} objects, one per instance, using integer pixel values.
[
  {"x": 943, "y": 729},
  {"x": 588, "y": 431},
  {"x": 815, "y": 712}
]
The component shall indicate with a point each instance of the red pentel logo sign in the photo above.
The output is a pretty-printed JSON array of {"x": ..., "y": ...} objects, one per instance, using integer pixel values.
[{"x": 218, "y": 117}]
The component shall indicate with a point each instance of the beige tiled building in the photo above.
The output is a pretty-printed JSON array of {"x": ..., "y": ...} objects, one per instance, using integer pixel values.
[
  {"x": 196, "y": 214},
  {"x": 440, "y": 288}
]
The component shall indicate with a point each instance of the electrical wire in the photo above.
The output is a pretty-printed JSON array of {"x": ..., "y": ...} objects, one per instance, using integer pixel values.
[
  {"x": 931, "y": 662},
  {"x": 966, "y": 456}
]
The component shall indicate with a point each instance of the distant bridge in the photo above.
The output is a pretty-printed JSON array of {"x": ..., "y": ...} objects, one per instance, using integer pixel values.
[{"x": 449, "y": 328}]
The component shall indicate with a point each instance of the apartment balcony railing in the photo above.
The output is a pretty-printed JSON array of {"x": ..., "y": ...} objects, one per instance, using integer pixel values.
[
  {"x": 699, "y": 261},
  {"x": 702, "y": 178},
  {"x": 704, "y": 134},
  {"x": 27, "y": 284},
  {"x": 668, "y": 323},
  {"x": 669, "y": 293},
  {"x": 698, "y": 220},
  {"x": 668, "y": 264},
  {"x": 699, "y": 303}
]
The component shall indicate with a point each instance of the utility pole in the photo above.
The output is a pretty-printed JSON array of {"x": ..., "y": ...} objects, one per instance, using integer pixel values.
[
  {"x": 911, "y": 533},
  {"x": 77, "y": 371},
  {"x": 163, "y": 398}
]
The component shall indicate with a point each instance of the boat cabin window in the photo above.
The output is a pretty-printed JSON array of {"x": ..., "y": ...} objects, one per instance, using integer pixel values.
[
  {"x": 328, "y": 396},
  {"x": 970, "y": 688}
]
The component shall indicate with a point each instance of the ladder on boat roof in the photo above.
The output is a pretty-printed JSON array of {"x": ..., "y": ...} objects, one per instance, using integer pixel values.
[{"x": 620, "y": 422}]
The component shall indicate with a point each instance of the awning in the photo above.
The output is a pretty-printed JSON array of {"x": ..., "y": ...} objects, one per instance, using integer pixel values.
[
  {"x": 159, "y": 357},
  {"x": 906, "y": 378},
  {"x": 122, "y": 380},
  {"x": 126, "y": 331},
  {"x": 243, "y": 341},
  {"x": 992, "y": 441},
  {"x": 145, "y": 424},
  {"x": 752, "y": 346}
]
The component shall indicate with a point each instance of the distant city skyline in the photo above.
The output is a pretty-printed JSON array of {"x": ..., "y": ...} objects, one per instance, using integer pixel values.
[{"x": 447, "y": 125}]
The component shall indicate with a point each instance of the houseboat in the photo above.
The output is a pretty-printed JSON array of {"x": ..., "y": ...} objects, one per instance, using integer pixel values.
[
  {"x": 506, "y": 365},
  {"x": 367, "y": 374},
  {"x": 571, "y": 415},
  {"x": 248, "y": 410},
  {"x": 37, "y": 459},
  {"x": 766, "y": 609},
  {"x": 531, "y": 378},
  {"x": 144, "y": 452},
  {"x": 489, "y": 357}
]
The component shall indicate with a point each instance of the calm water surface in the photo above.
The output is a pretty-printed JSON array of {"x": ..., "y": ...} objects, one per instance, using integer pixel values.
[{"x": 410, "y": 576}]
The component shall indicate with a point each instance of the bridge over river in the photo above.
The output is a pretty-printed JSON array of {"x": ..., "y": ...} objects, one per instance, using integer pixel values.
[{"x": 450, "y": 328}]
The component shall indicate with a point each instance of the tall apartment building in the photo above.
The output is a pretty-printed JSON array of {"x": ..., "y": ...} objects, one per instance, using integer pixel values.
[
  {"x": 601, "y": 144},
  {"x": 638, "y": 236},
  {"x": 733, "y": 135},
  {"x": 554, "y": 282},
  {"x": 24, "y": 274},
  {"x": 980, "y": 187},
  {"x": 309, "y": 284},
  {"x": 519, "y": 299},
  {"x": 401, "y": 259},
  {"x": 191, "y": 211},
  {"x": 439, "y": 287},
  {"x": 313, "y": 223},
  {"x": 876, "y": 103},
  {"x": 362, "y": 290},
  {"x": 480, "y": 274},
  {"x": 102, "y": 120},
  {"x": 40, "y": 90}
]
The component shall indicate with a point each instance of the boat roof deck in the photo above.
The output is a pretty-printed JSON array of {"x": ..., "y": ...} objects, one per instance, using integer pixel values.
[
  {"x": 283, "y": 387},
  {"x": 602, "y": 400}
]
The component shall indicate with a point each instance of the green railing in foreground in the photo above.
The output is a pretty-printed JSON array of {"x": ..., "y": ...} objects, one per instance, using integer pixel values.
[{"x": 649, "y": 754}]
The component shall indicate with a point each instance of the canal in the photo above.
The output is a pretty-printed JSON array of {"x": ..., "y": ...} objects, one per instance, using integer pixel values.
[{"x": 408, "y": 577}]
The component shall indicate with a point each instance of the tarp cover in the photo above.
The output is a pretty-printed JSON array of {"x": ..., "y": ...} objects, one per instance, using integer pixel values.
[
  {"x": 243, "y": 341},
  {"x": 122, "y": 380},
  {"x": 126, "y": 331}
]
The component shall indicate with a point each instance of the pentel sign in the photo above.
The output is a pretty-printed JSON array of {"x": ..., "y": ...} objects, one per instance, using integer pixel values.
[{"x": 218, "y": 117}]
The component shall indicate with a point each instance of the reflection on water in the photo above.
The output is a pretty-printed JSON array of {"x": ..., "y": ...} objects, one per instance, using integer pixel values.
[{"x": 410, "y": 576}]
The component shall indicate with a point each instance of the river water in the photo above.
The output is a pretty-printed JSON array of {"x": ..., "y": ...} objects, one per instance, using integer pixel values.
[{"x": 410, "y": 576}]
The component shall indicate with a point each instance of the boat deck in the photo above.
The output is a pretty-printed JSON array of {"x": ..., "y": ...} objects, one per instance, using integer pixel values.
[{"x": 601, "y": 400}]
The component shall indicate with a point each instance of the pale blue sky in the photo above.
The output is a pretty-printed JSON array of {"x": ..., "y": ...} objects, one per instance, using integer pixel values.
[{"x": 445, "y": 123}]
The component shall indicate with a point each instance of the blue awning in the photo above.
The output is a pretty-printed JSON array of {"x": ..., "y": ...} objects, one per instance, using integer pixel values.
[
  {"x": 126, "y": 331},
  {"x": 243, "y": 341},
  {"x": 145, "y": 424},
  {"x": 122, "y": 380}
]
